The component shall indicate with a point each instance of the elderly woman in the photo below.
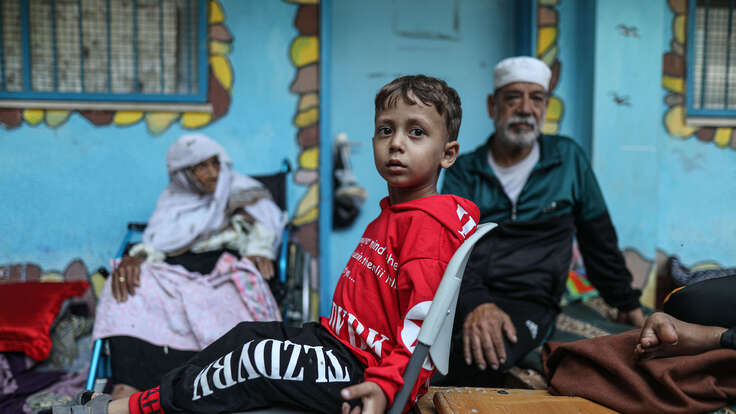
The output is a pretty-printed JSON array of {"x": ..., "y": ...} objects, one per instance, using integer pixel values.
[{"x": 199, "y": 271}]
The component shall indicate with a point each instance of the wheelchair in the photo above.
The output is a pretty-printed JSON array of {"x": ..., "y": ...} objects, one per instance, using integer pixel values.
[{"x": 290, "y": 286}]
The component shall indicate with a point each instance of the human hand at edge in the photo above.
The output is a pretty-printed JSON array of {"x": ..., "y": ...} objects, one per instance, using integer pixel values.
[
  {"x": 264, "y": 265},
  {"x": 483, "y": 332},
  {"x": 372, "y": 396},
  {"x": 634, "y": 317},
  {"x": 664, "y": 335},
  {"x": 126, "y": 278}
]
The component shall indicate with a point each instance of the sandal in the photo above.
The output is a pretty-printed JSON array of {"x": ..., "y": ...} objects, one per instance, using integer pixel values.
[{"x": 86, "y": 402}]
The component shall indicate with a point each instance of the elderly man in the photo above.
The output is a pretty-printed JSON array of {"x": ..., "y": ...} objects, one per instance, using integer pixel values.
[{"x": 541, "y": 191}]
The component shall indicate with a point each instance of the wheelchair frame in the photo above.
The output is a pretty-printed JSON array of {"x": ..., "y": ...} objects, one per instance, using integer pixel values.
[{"x": 295, "y": 307}]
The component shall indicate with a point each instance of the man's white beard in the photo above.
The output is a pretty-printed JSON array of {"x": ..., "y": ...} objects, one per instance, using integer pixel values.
[{"x": 518, "y": 140}]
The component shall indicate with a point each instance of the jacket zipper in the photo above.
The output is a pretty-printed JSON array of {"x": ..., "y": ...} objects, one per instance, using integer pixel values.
[{"x": 531, "y": 173}]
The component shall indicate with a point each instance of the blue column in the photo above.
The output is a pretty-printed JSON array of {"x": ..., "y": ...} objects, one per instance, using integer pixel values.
[
  {"x": 325, "y": 151},
  {"x": 526, "y": 27}
]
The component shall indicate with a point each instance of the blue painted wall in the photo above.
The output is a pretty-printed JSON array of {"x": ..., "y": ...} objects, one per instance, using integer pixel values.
[
  {"x": 697, "y": 219},
  {"x": 626, "y": 137},
  {"x": 663, "y": 192},
  {"x": 575, "y": 85},
  {"x": 68, "y": 192},
  {"x": 368, "y": 51}
]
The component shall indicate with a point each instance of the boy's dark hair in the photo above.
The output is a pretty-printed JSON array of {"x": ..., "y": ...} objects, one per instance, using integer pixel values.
[{"x": 429, "y": 90}]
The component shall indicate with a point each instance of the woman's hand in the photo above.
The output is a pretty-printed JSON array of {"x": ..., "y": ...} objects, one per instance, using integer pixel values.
[
  {"x": 241, "y": 212},
  {"x": 664, "y": 335},
  {"x": 126, "y": 278},
  {"x": 371, "y": 395},
  {"x": 264, "y": 265}
]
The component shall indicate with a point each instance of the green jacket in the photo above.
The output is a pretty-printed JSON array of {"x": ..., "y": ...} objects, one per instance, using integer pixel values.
[
  {"x": 528, "y": 255},
  {"x": 562, "y": 182}
]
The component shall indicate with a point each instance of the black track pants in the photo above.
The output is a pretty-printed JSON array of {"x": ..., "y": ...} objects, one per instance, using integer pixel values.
[
  {"x": 263, "y": 364},
  {"x": 709, "y": 302}
]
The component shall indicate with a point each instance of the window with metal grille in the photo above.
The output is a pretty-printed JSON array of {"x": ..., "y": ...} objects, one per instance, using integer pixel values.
[
  {"x": 711, "y": 78},
  {"x": 150, "y": 51}
]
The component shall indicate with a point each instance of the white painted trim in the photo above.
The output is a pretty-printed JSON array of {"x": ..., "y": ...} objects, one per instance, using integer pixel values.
[{"x": 710, "y": 122}]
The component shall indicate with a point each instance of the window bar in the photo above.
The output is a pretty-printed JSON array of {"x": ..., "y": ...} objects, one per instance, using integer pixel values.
[
  {"x": 161, "y": 42},
  {"x": 81, "y": 45},
  {"x": 704, "y": 73},
  {"x": 187, "y": 46},
  {"x": 26, "y": 28},
  {"x": 54, "y": 46},
  {"x": 109, "y": 52},
  {"x": 135, "y": 45},
  {"x": 728, "y": 54},
  {"x": 2, "y": 52},
  {"x": 202, "y": 48}
]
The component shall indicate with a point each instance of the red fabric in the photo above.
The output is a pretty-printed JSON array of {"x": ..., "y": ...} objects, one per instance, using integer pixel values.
[
  {"x": 27, "y": 311},
  {"x": 384, "y": 292},
  {"x": 146, "y": 402}
]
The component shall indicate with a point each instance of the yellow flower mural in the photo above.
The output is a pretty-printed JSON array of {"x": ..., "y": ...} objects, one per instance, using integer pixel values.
[
  {"x": 548, "y": 28},
  {"x": 674, "y": 67},
  {"x": 305, "y": 56}
]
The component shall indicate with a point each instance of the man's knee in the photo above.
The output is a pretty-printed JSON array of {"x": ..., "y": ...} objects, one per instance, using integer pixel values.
[{"x": 462, "y": 374}]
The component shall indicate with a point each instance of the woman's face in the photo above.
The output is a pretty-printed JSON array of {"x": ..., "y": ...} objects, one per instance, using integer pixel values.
[{"x": 206, "y": 173}]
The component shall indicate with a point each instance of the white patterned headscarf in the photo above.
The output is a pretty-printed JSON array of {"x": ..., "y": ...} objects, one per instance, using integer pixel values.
[{"x": 184, "y": 212}]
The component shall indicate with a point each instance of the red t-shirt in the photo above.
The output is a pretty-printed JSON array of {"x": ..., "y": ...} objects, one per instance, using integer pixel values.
[{"x": 384, "y": 292}]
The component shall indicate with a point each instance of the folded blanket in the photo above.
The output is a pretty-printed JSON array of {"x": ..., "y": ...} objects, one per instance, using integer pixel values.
[
  {"x": 606, "y": 370},
  {"x": 185, "y": 310}
]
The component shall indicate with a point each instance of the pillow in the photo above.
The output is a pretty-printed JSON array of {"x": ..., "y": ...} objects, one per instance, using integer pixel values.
[
  {"x": 578, "y": 287},
  {"x": 27, "y": 311}
]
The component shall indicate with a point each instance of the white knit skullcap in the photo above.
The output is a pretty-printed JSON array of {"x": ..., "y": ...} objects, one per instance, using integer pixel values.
[{"x": 521, "y": 69}]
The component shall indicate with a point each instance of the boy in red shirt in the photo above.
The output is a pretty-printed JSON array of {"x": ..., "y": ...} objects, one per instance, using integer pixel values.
[{"x": 358, "y": 355}]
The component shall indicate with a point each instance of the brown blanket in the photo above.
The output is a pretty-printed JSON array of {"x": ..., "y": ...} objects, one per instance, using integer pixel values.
[{"x": 605, "y": 370}]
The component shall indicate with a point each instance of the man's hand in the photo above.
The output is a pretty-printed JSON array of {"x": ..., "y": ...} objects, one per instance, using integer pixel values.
[
  {"x": 483, "y": 332},
  {"x": 126, "y": 278},
  {"x": 633, "y": 317},
  {"x": 264, "y": 265},
  {"x": 374, "y": 401}
]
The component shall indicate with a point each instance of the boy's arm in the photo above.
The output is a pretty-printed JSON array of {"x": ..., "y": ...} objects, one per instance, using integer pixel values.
[{"x": 418, "y": 281}]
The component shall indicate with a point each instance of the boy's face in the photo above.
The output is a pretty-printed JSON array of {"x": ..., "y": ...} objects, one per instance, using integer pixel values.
[{"x": 409, "y": 147}]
